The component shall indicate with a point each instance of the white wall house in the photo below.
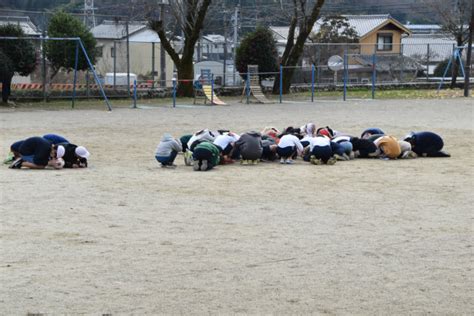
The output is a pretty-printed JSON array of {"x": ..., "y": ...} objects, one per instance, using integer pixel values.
[{"x": 144, "y": 53}]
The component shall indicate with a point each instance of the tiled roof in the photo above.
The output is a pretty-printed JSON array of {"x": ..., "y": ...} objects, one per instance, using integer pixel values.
[
  {"x": 441, "y": 47},
  {"x": 113, "y": 30},
  {"x": 424, "y": 28},
  {"x": 145, "y": 36},
  {"x": 363, "y": 24},
  {"x": 23, "y": 21},
  {"x": 214, "y": 38},
  {"x": 280, "y": 33}
]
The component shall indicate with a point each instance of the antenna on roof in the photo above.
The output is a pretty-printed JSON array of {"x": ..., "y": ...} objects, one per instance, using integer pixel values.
[{"x": 89, "y": 16}]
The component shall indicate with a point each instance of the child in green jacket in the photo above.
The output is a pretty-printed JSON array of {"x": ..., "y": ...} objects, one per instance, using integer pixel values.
[{"x": 206, "y": 156}]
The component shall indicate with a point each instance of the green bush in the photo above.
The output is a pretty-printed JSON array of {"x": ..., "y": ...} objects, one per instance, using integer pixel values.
[
  {"x": 62, "y": 54},
  {"x": 441, "y": 68},
  {"x": 258, "y": 48}
]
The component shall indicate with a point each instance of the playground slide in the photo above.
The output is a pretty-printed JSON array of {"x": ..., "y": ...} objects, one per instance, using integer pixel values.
[
  {"x": 258, "y": 94},
  {"x": 209, "y": 95}
]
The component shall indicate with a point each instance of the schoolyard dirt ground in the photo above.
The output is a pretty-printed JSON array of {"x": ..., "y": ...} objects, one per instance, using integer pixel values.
[{"x": 128, "y": 237}]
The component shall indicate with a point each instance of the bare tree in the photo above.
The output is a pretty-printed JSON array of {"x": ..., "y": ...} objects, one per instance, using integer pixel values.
[
  {"x": 304, "y": 15},
  {"x": 455, "y": 17},
  {"x": 467, "y": 79},
  {"x": 189, "y": 16}
]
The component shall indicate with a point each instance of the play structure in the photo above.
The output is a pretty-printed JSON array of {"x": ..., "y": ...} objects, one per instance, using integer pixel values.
[
  {"x": 455, "y": 57},
  {"x": 252, "y": 86},
  {"x": 204, "y": 89}
]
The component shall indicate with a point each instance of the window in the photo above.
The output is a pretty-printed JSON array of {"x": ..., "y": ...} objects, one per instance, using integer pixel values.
[
  {"x": 112, "y": 52},
  {"x": 384, "y": 42},
  {"x": 99, "y": 51}
]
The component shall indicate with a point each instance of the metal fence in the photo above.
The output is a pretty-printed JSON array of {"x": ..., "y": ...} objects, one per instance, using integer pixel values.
[{"x": 124, "y": 58}]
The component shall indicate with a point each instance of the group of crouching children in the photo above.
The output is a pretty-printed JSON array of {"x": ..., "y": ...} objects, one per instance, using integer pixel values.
[{"x": 206, "y": 149}]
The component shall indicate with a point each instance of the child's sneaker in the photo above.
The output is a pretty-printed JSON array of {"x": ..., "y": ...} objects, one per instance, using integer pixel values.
[
  {"x": 204, "y": 165},
  {"x": 339, "y": 157},
  {"x": 196, "y": 165},
  {"x": 188, "y": 158},
  {"x": 316, "y": 161},
  {"x": 10, "y": 159},
  {"x": 254, "y": 162},
  {"x": 282, "y": 161},
  {"x": 16, "y": 164},
  {"x": 289, "y": 161},
  {"x": 244, "y": 162},
  {"x": 331, "y": 161}
]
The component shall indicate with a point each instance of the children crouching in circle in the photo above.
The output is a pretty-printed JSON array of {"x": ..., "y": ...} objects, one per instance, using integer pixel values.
[{"x": 206, "y": 149}]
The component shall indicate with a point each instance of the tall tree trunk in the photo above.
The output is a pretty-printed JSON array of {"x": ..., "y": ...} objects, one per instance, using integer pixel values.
[
  {"x": 185, "y": 78},
  {"x": 293, "y": 54},
  {"x": 456, "y": 65},
  {"x": 6, "y": 87},
  {"x": 194, "y": 22},
  {"x": 467, "y": 79}
]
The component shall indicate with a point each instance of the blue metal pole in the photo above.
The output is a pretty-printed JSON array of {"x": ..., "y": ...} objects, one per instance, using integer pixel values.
[
  {"x": 374, "y": 74},
  {"x": 174, "y": 92},
  {"x": 312, "y": 83},
  {"x": 95, "y": 74},
  {"x": 281, "y": 83},
  {"x": 76, "y": 60},
  {"x": 135, "y": 94},
  {"x": 458, "y": 54},
  {"x": 444, "y": 74},
  {"x": 212, "y": 89},
  {"x": 247, "y": 87},
  {"x": 345, "y": 77}
]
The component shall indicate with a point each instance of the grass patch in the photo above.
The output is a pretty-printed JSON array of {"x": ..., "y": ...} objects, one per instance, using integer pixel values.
[{"x": 356, "y": 93}]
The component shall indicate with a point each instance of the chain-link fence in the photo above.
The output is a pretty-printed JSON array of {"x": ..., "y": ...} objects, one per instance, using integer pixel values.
[{"x": 128, "y": 52}]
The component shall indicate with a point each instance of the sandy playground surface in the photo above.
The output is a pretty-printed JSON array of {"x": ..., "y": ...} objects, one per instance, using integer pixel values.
[{"x": 127, "y": 237}]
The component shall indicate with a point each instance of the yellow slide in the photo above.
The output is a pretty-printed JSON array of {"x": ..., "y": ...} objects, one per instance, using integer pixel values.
[{"x": 207, "y": 89}]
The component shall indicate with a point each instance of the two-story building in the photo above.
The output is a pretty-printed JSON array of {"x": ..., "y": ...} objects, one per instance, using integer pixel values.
[
  {"x": 380, "y": 35},
  {"x": 144, "y": 51}
]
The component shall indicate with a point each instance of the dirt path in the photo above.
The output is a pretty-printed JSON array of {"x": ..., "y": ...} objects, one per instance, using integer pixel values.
[{"x": 125, "y": 236}]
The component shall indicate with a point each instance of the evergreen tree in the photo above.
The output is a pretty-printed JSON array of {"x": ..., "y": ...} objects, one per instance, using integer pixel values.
[
  {"x": 16, "y": 56},
  {"x": 62, "y": 54},
  {"x": 257, "y": 48}
]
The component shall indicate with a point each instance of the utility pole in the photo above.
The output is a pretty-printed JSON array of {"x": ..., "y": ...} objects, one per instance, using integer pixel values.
[
  {"x": 162, "y": 77},
  {"x": 236, "y": 30},
  {"x": 225, "y": 46},
  {"x": 162, "y": 50},
  {"x": 43, "y": 56},
  {"x": 89, "y": 14},
  {"x": 467, "y": 79},
  {"x": 128, "y": 57}
]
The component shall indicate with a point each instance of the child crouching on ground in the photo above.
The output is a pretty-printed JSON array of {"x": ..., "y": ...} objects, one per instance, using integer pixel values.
[
  {"x": 206, "y": 156},
  {"x": 167, "y": 150}
]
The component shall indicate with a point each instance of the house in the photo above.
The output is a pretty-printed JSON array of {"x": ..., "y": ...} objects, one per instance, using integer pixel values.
[
  {"x": 30, "y": 30},
  {"x": 424, "y": 28},
  {"x": 429, "y": 44},
  {"x": 144, "y": 51},
  {"x": 429, "y": 49},
  {"x": 28, "y": 27},
  {"x": 379, "y": 34},
  {"x": 211, "y": 47}
]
